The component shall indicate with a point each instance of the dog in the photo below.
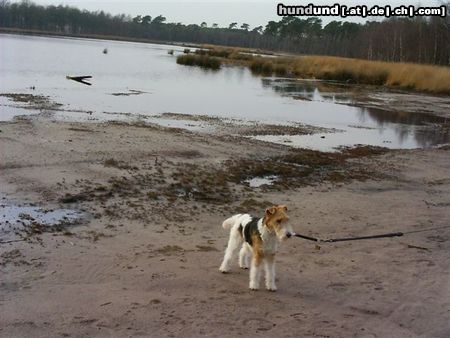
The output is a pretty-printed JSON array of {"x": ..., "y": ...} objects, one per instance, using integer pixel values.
[{"x": 258, "y": 239}]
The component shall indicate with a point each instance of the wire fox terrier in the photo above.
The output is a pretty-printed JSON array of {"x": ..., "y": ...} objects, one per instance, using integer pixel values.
[{"x": 258, "y": 238}]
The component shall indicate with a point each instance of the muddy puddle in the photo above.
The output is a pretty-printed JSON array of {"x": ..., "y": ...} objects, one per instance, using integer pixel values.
[
  {"x": 194, "y": 126},
  {"x": 257, "y": 182},
  {"x": 9, "y": 111},
  {"x": 21, "y": 221},
  {"x": 154, "y": 85}
]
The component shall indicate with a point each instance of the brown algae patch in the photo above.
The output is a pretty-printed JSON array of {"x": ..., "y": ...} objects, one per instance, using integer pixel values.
[
  {"x": 260, "y": 129},
  {"x": 153, "y": 190},
  {"x": 170, "y": 250},
  {"x": 131, "y": 92},
  {"x": 111, "y": 162},
  {"x": 39, "y": 102},
  {"x": 206, "y": 248},
  {"x": 227, "y": 126}
]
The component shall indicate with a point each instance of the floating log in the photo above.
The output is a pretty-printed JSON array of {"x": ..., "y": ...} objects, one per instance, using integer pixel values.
[{"x": 80, "y": 79}]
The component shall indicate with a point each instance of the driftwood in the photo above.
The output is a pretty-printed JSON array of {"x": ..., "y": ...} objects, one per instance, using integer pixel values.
[{"x": 80, "y": 79}]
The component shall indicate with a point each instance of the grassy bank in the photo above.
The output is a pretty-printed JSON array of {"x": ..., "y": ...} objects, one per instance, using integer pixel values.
[
  {"x": 203, "y": 61},
  {"x": 425, "y": 78},
  {"x": 422, "y": 78}
]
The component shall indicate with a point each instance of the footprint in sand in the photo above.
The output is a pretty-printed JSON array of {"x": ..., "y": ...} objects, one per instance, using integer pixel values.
[
  {"x": 258, "y": 324},
  {"x": 338, "y": 286}
]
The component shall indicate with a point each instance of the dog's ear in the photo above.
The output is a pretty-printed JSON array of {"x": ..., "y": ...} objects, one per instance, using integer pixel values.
[{"x": 270, "y": 211}]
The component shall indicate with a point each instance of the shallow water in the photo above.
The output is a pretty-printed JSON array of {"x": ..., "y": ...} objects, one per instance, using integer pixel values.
[
  {"x": 257, "y": 182},
  {"x": 10, "y": 214},
  {"x": 143, "y": 79},
  {"x": 9, "y": 111},
  {"x": 15, "y": 218}
]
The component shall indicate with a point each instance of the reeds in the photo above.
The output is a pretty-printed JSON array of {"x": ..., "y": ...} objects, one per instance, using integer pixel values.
[
  {"x": 261, "y": 66},
  {"x": 410, "y": 76},
  {"x": 426, "y": 78},
  {"x": 216, "y": 52},
  {"x": 203, "y": 61},
  {"x": 341, "y": 69},
  {"x": 226, "y": 53},
  {"x": 270, "y": 66}
]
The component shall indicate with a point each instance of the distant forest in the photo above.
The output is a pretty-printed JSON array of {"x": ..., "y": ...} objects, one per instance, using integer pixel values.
[{"x": 421, "y": 40}]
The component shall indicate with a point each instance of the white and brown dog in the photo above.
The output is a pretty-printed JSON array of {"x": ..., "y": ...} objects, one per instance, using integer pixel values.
[{"x": 258, "y": 239}]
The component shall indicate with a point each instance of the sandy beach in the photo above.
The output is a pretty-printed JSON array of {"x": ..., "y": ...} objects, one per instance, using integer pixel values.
[{"x": 143, "y": 260}]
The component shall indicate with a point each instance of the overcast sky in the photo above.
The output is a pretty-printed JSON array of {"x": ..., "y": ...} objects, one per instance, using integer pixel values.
[{"x": 222, "y": 12}]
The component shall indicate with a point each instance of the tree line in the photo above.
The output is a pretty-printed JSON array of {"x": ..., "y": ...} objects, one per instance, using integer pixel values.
[{"x": 420, "y": 39}]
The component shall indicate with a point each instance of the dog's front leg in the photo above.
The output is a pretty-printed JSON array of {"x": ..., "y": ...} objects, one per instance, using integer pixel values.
[
  {"x": 255, "y": 271},
  {"x": 269, "y": 265}
]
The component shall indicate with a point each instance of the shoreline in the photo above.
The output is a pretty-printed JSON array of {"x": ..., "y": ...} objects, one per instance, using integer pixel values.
[
  {"x": 32, "y": 32},
  {"x": 424, "y": 117},
  {"x": 145, "y": 262}
]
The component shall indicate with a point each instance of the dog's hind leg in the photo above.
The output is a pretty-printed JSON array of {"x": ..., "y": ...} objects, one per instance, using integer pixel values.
[
  {"x": 269, "y": 265},
  {"x": 234, "y": 242},
  {"x": 255, "y": 272},
  {"x": 244, "y": 255}
]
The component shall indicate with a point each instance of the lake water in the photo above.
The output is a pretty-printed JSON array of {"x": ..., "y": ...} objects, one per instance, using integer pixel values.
[{"x": 138, "y": 78}]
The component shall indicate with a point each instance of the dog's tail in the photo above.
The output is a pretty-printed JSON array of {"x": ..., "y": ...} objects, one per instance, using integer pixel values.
[{"x": 229, "y": 222}]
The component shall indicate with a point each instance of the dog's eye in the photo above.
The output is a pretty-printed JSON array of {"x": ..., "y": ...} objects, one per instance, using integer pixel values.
[{"x": 278, "y": 221}]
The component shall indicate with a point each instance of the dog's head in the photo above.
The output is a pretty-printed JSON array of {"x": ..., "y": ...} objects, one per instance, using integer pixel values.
[{"x": 276, "y": 220}]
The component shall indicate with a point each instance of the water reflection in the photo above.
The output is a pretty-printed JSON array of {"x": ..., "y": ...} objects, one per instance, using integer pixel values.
[{"x": 425, "y": 128}]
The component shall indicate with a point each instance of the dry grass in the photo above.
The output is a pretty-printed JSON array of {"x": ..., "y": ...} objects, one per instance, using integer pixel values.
[
  {"x": 203, "y": 61},
  {"x": 423, "y": 78},
  {"x": 418, "y": 77},
  {"x": 431, "y": 79},
  {"x": 427, "y": 78},
  {"x": 216, "y": 52},
  {"x": 340, "y": 69},
  {"x": 238, "y": 49}
]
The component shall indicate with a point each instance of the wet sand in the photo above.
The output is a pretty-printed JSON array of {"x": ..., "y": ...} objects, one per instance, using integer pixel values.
[{"x": 144, "y": 263}]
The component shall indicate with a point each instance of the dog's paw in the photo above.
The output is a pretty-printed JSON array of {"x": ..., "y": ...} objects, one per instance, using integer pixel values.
[
  {"x": 224, "y": 268},
  {"x": 244, "y": 267},
  {"x": 253, "y": 286},
  {"x": 271, "y": 287}
]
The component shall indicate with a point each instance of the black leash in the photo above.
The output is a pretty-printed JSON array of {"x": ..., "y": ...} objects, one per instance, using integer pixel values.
[
  {"x": 333, "y": 240},
  {"x": 392, "y": 234}
]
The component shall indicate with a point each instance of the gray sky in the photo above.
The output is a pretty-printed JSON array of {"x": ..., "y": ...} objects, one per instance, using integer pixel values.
[{"x": 254, "y": 13}]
